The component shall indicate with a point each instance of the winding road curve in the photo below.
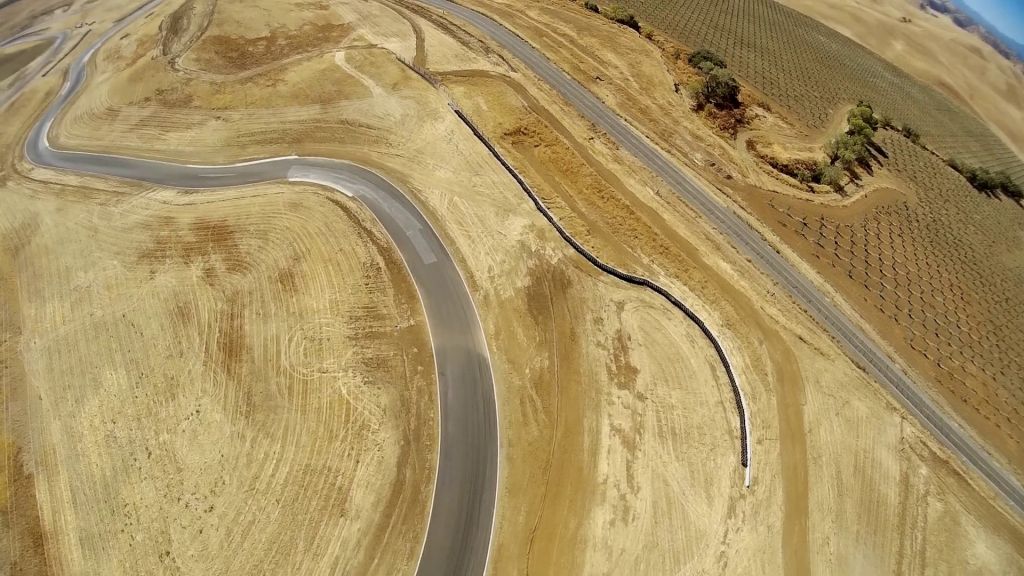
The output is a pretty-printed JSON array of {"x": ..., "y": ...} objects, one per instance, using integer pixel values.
[
  {"x": 462, "y": 512},
  {"x": 861, "y": 348}
]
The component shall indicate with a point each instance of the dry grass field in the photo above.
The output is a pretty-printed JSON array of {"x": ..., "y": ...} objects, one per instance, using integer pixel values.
[
  {"x": 617, "y": 425},
  {"x": 968, "y": 240},
  {"x": 812, "y": 71},
  {"x": 187, "y": 375},
  {"x": 935, "y": 50}
]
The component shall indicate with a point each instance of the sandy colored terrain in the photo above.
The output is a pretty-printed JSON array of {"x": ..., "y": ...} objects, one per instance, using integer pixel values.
[
  {"x": 799, "y": 374},
  {"x": 216, "y": 382},
  {"x": 15, "y": 58},
  {"x": 619, "y": 440},
  {"x": 935, "y": 50},
  {"x": 206, "y": 383},
  {"x": 962, "y": 230}
]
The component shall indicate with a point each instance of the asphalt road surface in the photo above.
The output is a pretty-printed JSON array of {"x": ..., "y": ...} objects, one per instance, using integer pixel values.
[
  {"x": 462, "y": 512},
  {"x": 862, "y": 349}
]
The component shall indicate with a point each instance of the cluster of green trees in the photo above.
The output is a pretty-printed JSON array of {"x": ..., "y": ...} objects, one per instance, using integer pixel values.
[
  {"x": 846, "y": 151},
  {"x": 718, "y": 87},
  {"x": 851, "y": 147},
  {"x": 986, "y": 181},
  {"x": 615, "y": 13},
  {"x": 697, "y": 58},
  {"x": 843, "y": 153}
]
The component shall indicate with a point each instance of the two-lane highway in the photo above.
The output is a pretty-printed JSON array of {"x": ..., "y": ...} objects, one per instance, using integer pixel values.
[{"x": 861, "y": 348}]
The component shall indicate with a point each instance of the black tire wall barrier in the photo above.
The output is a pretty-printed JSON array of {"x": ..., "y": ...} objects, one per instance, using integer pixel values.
[{"x": 629, "y": 278}]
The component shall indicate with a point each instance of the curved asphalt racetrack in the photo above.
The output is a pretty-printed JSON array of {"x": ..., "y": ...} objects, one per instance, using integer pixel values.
[
  {"x": 462, "y": 512},
  {"x": 862, "y": 349}
]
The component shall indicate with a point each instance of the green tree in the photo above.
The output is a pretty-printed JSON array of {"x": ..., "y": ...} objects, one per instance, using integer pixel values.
[
  {"x": 698, "y": 57},
  {"x": 911, "y": 134},
  {"x": 1013, "y": 190},
  {"x": 706, "y": 67},
  {"x": 986, "y": 181},
  {"x": 617, "y": 13},
  {"x": 831, "y": 176},
  {"x": 720, "y": 89},
  {"x": 846, "y": 150},
  {"x": 865, "y": 114},
  {"x": 858, "y": 128}
]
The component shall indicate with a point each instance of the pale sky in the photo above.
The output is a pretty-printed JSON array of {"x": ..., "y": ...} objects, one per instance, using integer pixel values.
[{"x": 1007, "y": 15}]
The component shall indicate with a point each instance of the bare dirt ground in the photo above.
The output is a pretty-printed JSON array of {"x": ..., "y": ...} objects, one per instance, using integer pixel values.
[
  {"x": 935, "y": 50},
  {"x": 619, "y": 440}
]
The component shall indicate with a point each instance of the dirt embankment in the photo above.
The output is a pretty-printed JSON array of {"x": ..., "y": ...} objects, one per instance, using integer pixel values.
[{"x": 183, "y": 27}]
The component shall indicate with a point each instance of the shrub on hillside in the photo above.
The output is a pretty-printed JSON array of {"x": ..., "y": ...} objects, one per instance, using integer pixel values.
[
  {"x": 865, "y": 113},
  {"x": 592, "y": 7},
  {"x": 698, "y": 57},
  {"x": 861, "y": 122},
  {"x": 831, "y": 176},
  {"x": 847, "y": 151},
  {"x": 911, "y": 134},
  {"x": 705, "y": 68},
  {"x": 986, "y": 181},
  {"x": 720, "y": 89},
  {"x": 620, "y": 15},
  {"x": 858, "y": 128}
]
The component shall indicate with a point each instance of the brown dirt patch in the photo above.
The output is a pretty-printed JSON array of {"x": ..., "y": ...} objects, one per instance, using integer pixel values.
[{"x": 226, "y": 54}]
